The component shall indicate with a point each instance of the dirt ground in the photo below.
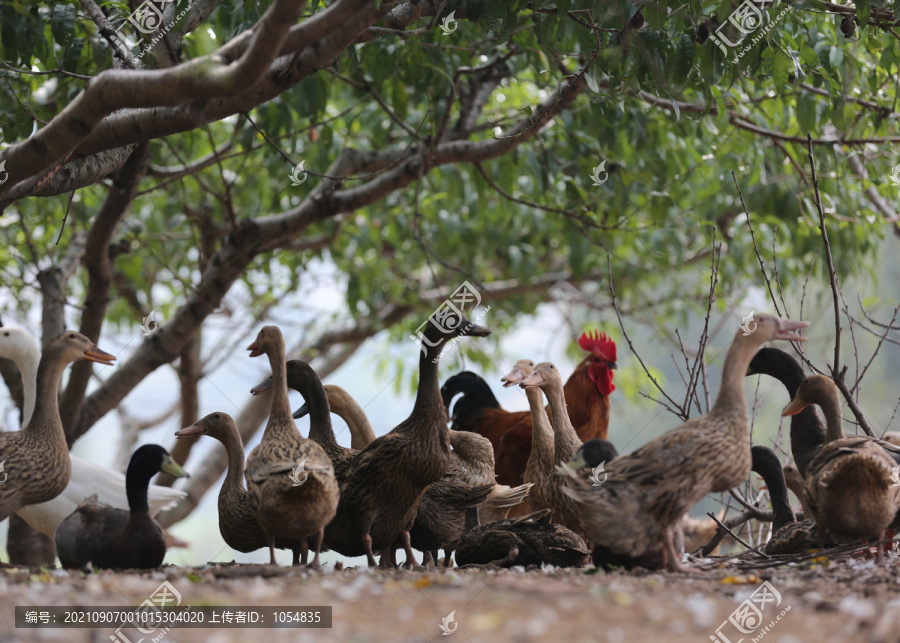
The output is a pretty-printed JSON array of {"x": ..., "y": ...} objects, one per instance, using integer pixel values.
[{"x": 851, "y": 600}]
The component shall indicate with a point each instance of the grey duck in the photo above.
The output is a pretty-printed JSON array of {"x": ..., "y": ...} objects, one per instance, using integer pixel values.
[
  {"x": 36, "y": 458},
  {"x": 285, "y": 505},
  {"x": 237, "y": 521}
]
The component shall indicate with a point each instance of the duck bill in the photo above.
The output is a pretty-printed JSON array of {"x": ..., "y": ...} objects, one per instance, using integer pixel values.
[
  {"x": 94, "y": 354},
  {"x": 532, "y": 380},
  {"x": 577, "y": 462},
  {"x": 513, "y": 377},
  {"x": 266, "y": 385},
  {"x": 785, "y": 326},
  {"x": 190, "y": 431},
  {"x": 255, "y": 350},
  {"x": 478, "y": 331},
  {"x": 794, "y": 407},
  {"x": 303, "y": 411},
  {"x": 173, "y": 468}
]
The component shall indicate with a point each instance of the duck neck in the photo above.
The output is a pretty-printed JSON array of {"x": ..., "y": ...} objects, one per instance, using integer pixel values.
[
  {"x": 313, "y": 393},
  {"x": 563, "y": 431},
  {"x": 360, "y": 429},
  {"x": 541, "y": 431},
  {"x": 731, "y": 400},
  {"x": 28, "y": 370},
  {"x": 136, "y": 483},
  {"x": 428, "y": 395},
  {"x": 45, "y": 420},
  {"x": 830, "y": 402},
  {"x": 280, "y": 412},
  {"x": 766, "y": 464},
  {"x": 234, "y": 447}
]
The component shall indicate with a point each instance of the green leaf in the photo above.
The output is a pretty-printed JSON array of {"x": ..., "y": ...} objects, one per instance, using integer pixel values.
[
  {"x": 863, "y": 11},
  {"x": 70, "y": 59},
  {"x": 400, "y": 99},
  {"x": 62, "y": 23},
  {"x": 874, "y": 41},
  {"x": 806, "y": 112},
  {"x": 781, "y": 69},
  {"x": 808, "y": 56},
  {"x": 835, "y": 57}
]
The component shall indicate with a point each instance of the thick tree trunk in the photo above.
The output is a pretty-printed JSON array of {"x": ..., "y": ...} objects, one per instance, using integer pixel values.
[{"x": 26, "y": 546}]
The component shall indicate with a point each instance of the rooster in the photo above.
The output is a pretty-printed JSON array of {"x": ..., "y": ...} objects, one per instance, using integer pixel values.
[{"x": 587, "y": 398}]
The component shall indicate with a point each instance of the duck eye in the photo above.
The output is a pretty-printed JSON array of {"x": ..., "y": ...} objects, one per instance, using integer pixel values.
[
  {"x": 6, "y": 334},
  {"x": 216, "y": 416},
  {"x": 71, "y": 335}
]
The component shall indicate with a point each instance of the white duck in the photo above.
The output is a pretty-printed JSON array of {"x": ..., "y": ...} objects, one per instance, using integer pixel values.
[{"x": 87, "y": 478}]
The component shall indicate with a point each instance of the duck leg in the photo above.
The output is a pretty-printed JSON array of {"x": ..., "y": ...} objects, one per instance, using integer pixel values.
[
  {"x": 448, "y": 559},
  {"x": 428, "y": 560},
  {"x": 270, "y": 537},
  {"x": 673, "y": 560},
  {"x": 410, "y": 557},
  {"x": 367, "y": 543},
  {"x": 889, "y": 538},
  {"x": 387, "y": 558},
  {"x": 320, "y": 536}
]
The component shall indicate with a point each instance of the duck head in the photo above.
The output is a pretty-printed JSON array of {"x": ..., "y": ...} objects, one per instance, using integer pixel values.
[
  {"x": 522, "y": 369},
  {"x": 216, "y": 425}
]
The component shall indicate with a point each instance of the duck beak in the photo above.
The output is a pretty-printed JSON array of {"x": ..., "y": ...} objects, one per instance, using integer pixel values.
[
  {"x": 513, "y": 377},
  {"x": 173, "y": 468},
  {"x": 196, "y": 428},
  {"x": 94, "y": 354},
  {"x": 794, "y": 407},
  {"x": 262, "y": 387},
  {"x": 577, "y": 462},
  {"x": 478, "y": 331},
  {"x": 785, "y": 326},
  {"x": 534, "y": 379},
  {"x": 255, "y": 350},
  {"x": 301, "y": 412}
]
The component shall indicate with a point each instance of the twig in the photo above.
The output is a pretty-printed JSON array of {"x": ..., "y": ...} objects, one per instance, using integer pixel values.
[
  {"x": 612, "y": 292},
  {"x": 877, "y": 348},
  {"x": 735, "y": 536},
  {"x": 831, "y": 273},
  {"x": 762, "y": 264},
  {"x": 65, "y": 217}
]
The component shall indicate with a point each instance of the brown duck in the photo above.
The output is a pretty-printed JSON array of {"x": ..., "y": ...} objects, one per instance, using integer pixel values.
[
  {"x": 647, "y": 492},
  {"x": 850, "y": 488},
  {"x": 291, "y": 480},
  {"x": 524, "y": 540},
  {"x": 237, "y": 521},
  {"x": 36, "y": 459},
  {"x": 384, "y": 482}
]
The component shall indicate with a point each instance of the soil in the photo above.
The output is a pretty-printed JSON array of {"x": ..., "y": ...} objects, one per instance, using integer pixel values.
[{"x": 818, "y": 600}]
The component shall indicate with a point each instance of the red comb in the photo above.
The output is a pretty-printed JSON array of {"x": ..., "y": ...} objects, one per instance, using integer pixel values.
[{"x": 599, "y": 344}]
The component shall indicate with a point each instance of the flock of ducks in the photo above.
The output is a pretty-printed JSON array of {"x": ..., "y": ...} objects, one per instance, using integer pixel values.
[{"x": 426, "y": 486}]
